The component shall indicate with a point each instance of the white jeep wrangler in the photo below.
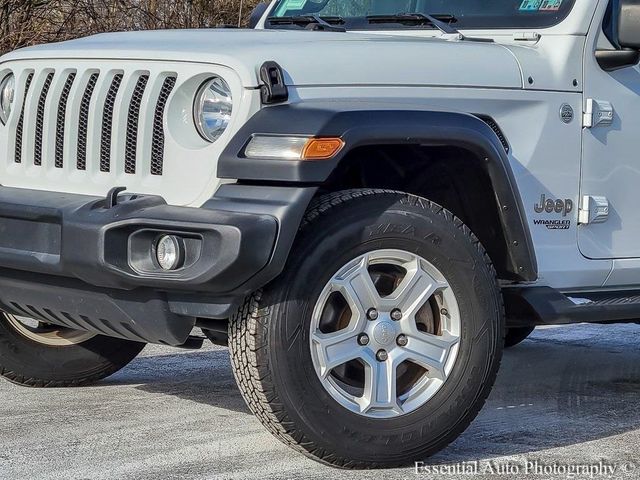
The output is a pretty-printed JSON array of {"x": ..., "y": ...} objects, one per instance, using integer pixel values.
[{"x": 362, "y": 198}]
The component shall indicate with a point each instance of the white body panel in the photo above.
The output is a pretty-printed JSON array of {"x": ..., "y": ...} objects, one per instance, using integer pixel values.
[
  {"x": 610, "y": 164},
  {"x": 310, "y": 58},
  {"x": 534, "y": 149},
  {"x": 522, "y": 84}
]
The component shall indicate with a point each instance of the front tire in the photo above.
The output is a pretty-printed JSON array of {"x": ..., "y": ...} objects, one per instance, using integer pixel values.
[
  {"x": 34, "y": 354},
  {"x": 441, "y": 353}
]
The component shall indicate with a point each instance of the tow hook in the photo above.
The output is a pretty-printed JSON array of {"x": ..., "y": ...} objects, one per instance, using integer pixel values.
[{"x": 112, "y": 196}]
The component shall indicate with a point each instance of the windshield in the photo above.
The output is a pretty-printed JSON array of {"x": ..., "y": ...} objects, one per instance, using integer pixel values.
[{"x": 356, "y": 14}]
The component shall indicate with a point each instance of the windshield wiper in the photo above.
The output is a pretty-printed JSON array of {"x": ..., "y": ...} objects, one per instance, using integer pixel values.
[
  {"x": 315, "y": 22},
  {"x": 441, "y": 22}
]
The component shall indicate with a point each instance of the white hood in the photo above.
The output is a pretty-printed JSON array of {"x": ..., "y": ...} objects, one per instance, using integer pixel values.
[{"x": 308, "y": 58}]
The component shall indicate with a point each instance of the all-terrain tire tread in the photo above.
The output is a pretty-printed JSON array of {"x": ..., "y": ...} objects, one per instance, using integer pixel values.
[{"x": 251, "y": 367}]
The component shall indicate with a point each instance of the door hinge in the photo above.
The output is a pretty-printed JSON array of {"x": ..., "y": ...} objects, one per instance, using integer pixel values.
[
  {"x": 598, "y": 112},
  {"x": 594, "y": 209}
]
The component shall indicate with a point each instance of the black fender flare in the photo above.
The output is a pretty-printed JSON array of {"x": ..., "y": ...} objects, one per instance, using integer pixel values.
[{"x": 360, "y": 125}]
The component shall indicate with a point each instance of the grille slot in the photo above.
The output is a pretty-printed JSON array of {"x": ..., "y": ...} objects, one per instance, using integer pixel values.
[
  {"x": 83, "y": 122},
  {"x": 157, "y": 143},
  {"x": 20, "y": 127},
  {"x": 132, "y": 125},
  {"x": 61, "y": 118},
  {"x": 69, "y": 119},
  {"x": 37, "y": 158},
  {"x": 107, "y": 124}
]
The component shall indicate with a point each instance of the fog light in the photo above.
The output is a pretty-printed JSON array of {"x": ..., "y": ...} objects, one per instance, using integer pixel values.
[{"x": 169, "y": 252}]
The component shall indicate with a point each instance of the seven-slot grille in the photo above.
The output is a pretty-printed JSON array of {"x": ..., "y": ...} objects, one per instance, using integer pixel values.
[{"x": 90, "y": 114}]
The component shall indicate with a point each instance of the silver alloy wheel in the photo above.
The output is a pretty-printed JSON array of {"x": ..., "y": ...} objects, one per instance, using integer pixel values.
[
  {"x": 385, "y": 333},
  {"x": 47, "y": 334}
]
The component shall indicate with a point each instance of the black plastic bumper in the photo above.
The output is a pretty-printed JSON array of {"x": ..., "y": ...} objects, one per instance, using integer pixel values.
[{"x": 77, "y": 260}]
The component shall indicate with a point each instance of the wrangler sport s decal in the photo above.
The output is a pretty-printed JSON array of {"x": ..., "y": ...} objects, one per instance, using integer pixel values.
[{"x": 549, "y": 205}]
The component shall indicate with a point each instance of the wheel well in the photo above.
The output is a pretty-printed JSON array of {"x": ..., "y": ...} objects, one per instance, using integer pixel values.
[{"x": 450, "y": 176}]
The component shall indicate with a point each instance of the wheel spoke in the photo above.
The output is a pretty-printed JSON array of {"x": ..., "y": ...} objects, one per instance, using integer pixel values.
[
  {"x": 357, "y": 287},
  {"x": 334, "y": 349},
  {"x": 431, "y": 352},
  {"x": 414, "y": 290},
  {"x": 380, "y": 386}
]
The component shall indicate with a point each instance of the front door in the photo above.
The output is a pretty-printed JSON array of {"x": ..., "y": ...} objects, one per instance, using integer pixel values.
[{"x": 611, "y": 158}]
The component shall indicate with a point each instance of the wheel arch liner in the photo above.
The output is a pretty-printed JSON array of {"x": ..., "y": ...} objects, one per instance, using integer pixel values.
[{"x": 361, "y": 126}]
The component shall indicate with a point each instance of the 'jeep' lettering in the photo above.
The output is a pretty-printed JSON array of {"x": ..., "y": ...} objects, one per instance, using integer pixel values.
[{"x": 548, "y": 205}]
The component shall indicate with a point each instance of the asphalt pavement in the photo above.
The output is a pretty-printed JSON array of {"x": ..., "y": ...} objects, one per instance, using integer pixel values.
[{"x": 565, "y": 406}]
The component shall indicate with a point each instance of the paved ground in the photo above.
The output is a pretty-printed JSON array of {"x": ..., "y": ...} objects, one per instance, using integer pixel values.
[{"x": 568, "y": 396}]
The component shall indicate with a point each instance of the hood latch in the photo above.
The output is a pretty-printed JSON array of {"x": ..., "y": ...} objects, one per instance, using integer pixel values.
[{"x": 273, "y": 89}]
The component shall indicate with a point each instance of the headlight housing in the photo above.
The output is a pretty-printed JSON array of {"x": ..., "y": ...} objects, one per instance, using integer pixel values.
[
  {"x": 7, "y": 96},
  {"x": 212, "y": 108}
]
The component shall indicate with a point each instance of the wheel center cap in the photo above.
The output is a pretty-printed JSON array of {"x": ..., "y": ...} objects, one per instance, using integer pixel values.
[{"x": 383, "y": 333}]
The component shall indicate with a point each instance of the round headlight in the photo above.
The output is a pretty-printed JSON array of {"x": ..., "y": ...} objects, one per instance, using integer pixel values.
[
  {"x": 212, "y": 109},
  {"x": 7, "y": 95}
]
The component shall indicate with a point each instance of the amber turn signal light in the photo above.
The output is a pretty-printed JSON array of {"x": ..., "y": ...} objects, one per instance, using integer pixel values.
[{"x": 322, "y": 148}]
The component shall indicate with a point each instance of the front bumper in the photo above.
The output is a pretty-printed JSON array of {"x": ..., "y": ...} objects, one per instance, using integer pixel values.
[{"x": 82, "y": 262}]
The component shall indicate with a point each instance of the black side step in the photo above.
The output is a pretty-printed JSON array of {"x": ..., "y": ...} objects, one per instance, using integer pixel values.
[{"x": 530, "y": 306}]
